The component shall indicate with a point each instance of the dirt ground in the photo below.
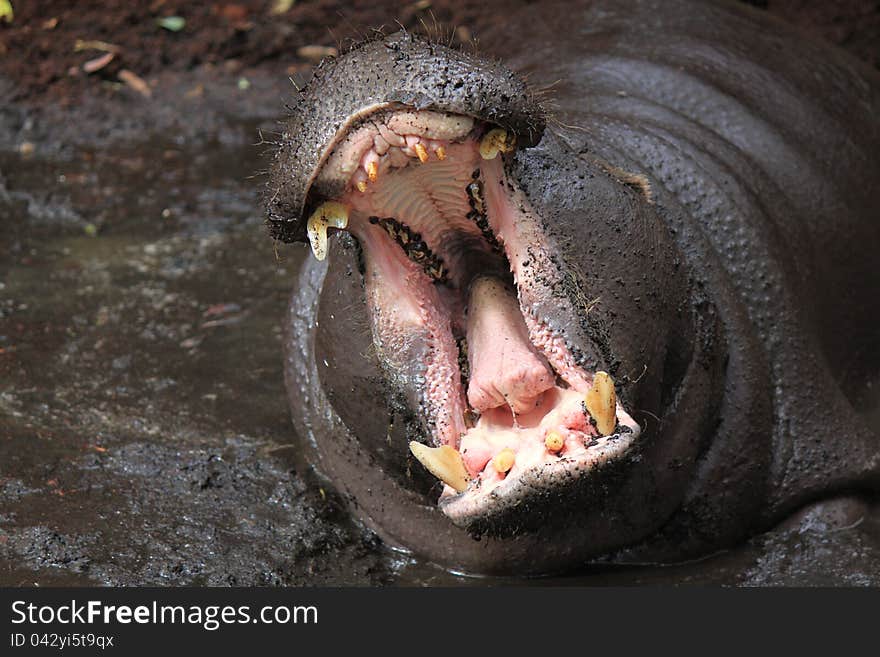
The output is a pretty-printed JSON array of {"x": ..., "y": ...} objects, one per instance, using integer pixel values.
[
  {"x": 144, "y": 435},
  {"x": 50, "y": 47},
  {"x": 41, "y": 52}
]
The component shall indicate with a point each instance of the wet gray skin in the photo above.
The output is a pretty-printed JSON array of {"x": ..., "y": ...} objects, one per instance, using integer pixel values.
[{"x": 699, "y": 179}]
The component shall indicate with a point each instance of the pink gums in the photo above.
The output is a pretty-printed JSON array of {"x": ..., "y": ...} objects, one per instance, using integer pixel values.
[{"x": 406, "y": 306}]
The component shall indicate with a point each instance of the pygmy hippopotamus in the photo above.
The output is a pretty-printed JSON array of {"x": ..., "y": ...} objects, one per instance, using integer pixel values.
[{"x": 612, "y": 295}]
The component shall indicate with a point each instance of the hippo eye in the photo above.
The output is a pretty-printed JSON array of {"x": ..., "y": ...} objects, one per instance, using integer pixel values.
[{"x": 455, "y": 263}]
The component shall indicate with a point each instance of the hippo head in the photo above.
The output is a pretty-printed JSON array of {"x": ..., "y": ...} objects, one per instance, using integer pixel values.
[{"x": 497, "y": 338}]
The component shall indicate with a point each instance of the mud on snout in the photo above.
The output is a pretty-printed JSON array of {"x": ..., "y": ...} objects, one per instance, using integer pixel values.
[{"x": 405, "y": 144}]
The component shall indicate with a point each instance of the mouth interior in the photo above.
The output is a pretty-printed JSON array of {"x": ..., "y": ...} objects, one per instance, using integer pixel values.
[{"x": 455, "y": 266}]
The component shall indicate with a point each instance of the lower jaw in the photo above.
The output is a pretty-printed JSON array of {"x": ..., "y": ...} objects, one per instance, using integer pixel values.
[
  {"x": 546, "y": 476},
  {"x": 405, "y": 300},
  {"x": 536, "y": 467}
]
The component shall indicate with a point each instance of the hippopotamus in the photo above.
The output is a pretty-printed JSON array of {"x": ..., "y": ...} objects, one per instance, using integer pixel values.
[{"x": 603, "y": 288}]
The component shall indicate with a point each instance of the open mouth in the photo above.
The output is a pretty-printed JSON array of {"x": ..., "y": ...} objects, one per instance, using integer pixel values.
[{"x": 458, "y": 276}]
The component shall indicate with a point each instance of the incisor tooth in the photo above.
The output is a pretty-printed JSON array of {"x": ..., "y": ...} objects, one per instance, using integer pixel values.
[
  {"x": 328, "y": 214},
  {"x": 440, "y": 152},
  {"x": 443, "y": 462},
  {"x": 362, "y": 186},
  {"x": 372, "y": 171},
  {"x": 504, "y": 460},
  {"x": 496, "y": 141},
  {"x": 422, "y": 152},
  {"x": 553, "y": 441},
  {"x": 601, "y": 403}
]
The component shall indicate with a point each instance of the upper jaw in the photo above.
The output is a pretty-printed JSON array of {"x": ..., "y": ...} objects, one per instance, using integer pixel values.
[
  {"x": 569, "y": 422},
  {"x": 396, "y": 71}
]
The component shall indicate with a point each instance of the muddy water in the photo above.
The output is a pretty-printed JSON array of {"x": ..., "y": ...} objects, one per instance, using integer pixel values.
[{"x": 144, "y": 433}]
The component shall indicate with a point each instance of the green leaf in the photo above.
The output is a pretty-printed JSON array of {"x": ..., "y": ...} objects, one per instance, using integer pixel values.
[
  {"x": 170, "y": 23},
  {"x": 6, "y": 13}
]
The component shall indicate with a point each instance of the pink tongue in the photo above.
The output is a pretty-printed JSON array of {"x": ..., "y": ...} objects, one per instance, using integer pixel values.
[{"x": 505, "y": 369}]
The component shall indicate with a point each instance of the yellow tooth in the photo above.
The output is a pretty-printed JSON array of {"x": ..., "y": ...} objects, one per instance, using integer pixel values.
[
  {"x": 496, "y": 141},
  {"x": 504, "y": 460},
  {"x": 421, "y": 152},
  {"x": 440, "y": 152},
  {"x": 601, "y": 402},
  {"x": 372, "y": 171},
  {"x": 328, "y": 214},
  {"x": 443, "y": 462},
  {"x": 362, "y": 186},
  {"x": 553, "y": 441}
]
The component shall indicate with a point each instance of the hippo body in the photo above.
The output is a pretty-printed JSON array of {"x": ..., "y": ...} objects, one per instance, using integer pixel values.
[{"x": 706, "y": 189}]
